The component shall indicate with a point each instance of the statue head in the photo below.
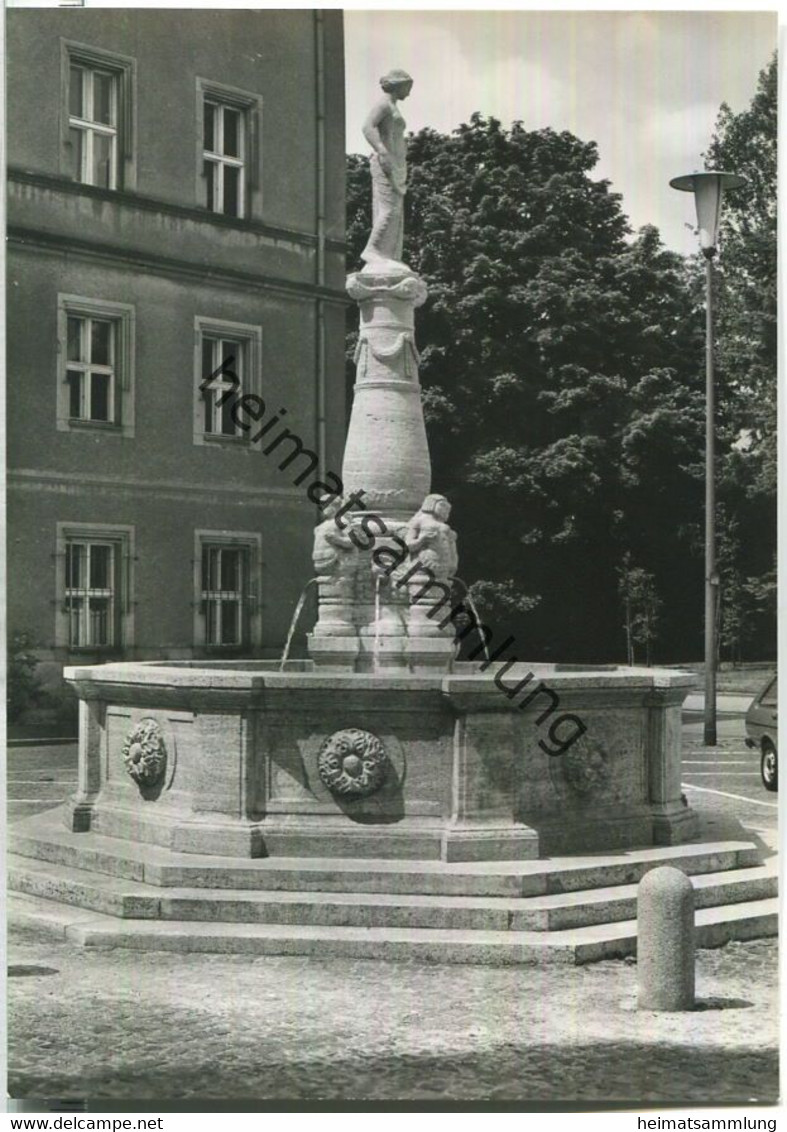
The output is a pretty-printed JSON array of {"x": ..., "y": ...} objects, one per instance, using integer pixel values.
[
  {"x": 437, "y": 505},
  {"x": 331, "y": 508},
  {"x": 398, "y": 83}
]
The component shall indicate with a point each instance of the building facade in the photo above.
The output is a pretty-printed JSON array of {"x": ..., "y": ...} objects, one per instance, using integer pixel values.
[{"x": 176, "y": 227}]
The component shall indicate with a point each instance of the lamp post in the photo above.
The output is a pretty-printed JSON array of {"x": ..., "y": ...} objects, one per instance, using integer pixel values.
[{"x": 708, "y": 189}]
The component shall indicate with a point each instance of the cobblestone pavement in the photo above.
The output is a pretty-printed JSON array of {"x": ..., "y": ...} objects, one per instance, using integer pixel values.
[
  {"x": 38, "y": 777},
  {"x": 210, "y": 1029}
]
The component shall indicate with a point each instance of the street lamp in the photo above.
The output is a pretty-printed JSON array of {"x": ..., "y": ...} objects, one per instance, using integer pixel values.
[{"x": 708, "y": 189}]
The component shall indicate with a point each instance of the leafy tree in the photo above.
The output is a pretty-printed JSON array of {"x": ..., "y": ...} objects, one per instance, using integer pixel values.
[
  {"x": 23, "y": 684},
  {"x": 734, "y": 602},
  {"x": 641, "y": 606},
  {"x": 746, "y": 143},
  {"x": 763, "y": 592},
  {"x": 746, "y": 341},
  {"x": 562, "y": 374}
]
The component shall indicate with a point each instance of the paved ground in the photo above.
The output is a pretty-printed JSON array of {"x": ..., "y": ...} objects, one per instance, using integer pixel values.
[
  {"x": 725, "y": 779},
  {"x": 39, "y": 777},
  {"x": 150, "y": 1028}
]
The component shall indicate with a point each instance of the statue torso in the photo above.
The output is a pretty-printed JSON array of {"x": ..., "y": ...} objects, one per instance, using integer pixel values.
[{"x": 392, "y": 132}]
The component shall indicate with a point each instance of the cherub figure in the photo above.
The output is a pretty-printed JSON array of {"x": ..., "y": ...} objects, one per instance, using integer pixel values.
[
  {"x": 335, "y": 558},
  {"x": 430, "y": 540},
  {"x": 334, "y": 554}
]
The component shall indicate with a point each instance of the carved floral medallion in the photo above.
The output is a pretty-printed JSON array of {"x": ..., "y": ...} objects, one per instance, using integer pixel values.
[
  {"x": 145, "y": 754},
  {"x": 353, "y": 762},
  {"x": 584, "y": 767}
]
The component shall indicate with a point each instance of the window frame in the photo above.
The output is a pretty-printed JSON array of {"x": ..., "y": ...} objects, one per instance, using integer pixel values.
[
  {"x": 221, "y": 160},
  {"x": 770, "y": 696},
  {"x": 251, "y": 376},
  {"x": 86, "y": 594},
  {"x": 250, "y": 543},
  {"x": 86, "y": 368},
  {"x": 90, "y": 127},
  {"x": 123, "y": 70},
  {"x": 121, "y": 538},
  {"x": 250, "y": 107},
  {"x": 220, "y": 386},
  {"x": 121, "y": 397}
]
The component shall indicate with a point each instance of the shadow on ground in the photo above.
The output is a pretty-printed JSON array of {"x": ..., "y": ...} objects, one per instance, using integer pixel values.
[{"x": 642, "y": 1074}]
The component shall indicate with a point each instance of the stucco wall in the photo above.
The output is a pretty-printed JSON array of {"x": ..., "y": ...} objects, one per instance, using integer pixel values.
[
  {"x": 270, "y": 53},
  {"x": 153, "y": 248}
]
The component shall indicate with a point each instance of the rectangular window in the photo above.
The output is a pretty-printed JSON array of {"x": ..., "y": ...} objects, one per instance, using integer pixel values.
[
  {"x": 93, "y": 125},
  {"x": 227, "y": 366},
  {"x": 97, "y": 116},
  {"x": 229, "y": 175},
  {"x": 96, "y": 379},
  {"x": 226, "y": 584},
  {"x": 90, "y": 372},
  {"x": 224, "y": 580},
  {"x": 91, "y": 589},
  {"x": 94, "y": 585},
  {"x": 221, "y": 382},
  {"x": 224, "y": 134}
]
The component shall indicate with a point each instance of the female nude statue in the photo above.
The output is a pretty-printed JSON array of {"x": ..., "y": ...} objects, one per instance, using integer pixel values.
[{"x": 384, "y": 131}]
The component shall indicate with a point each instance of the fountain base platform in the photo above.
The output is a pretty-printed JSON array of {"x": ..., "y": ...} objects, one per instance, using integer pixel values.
[
  {"x": 241, "y": 760},
  {"x": 106, "y": 892},
  {"x": 233, "y": 808}
]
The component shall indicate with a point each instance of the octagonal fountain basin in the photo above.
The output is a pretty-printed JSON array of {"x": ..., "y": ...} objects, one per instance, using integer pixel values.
[{"x": 240, "y": 759}]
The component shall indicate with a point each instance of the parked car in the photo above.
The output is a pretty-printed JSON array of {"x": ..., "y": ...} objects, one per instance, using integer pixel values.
[{"x": 762, "y": 732}]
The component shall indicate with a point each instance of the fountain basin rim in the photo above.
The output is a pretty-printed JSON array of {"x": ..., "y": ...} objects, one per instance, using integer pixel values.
[{"x": 251, "y": 676}]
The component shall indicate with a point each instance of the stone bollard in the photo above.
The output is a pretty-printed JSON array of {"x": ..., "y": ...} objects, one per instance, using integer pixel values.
[{"x": 665, "y": 940}]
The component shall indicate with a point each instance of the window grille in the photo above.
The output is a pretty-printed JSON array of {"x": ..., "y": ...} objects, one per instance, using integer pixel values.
[
  {"x": 91, "y": 593},
  {"x": 224, "y": 600}
]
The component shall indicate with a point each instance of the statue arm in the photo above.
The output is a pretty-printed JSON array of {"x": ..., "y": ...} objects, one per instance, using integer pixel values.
[
  {"x": 418, "y": 537},
  {"x": 336, "y": 538},
  {"x": 453, "y": 554},
  {"x": 374, "y": 119}
]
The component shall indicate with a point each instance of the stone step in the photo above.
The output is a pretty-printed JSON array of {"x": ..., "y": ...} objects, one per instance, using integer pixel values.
[
  {"x": 754, "y": 919},
  {"x": 17, "y": 808},
  {"x": 610, "y": 904},
  {"x": 715, "y": 926},
  {"x": 43, "y": 837},
  {"x": 132, "y": 900}
]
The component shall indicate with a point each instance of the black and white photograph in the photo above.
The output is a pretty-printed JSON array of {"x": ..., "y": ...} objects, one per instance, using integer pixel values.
[{"x": 391, "y": 562}]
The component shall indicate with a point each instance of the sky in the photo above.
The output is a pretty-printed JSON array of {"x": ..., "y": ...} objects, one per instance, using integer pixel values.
[{"x": 646, "y": 86}]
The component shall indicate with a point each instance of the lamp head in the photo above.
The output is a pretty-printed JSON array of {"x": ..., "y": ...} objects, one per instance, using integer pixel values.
[{"x": 708, "y": 189}]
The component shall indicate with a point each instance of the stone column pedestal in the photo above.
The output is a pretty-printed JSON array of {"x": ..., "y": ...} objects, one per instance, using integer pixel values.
[
  {"x": 386, "y": 457},
  {"x": 372, "y": 617}
]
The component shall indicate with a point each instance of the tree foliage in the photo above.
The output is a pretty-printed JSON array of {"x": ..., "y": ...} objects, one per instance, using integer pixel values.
[
  {"x": 641, "y": 607},
  {"x": 746, "y": 143},
  {"x": 22, "y": 682},
  {"x": 562, "y": 368}
]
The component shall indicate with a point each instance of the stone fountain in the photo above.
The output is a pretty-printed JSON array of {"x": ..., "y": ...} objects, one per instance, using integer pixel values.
[{"x": 381, "y": 769}]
